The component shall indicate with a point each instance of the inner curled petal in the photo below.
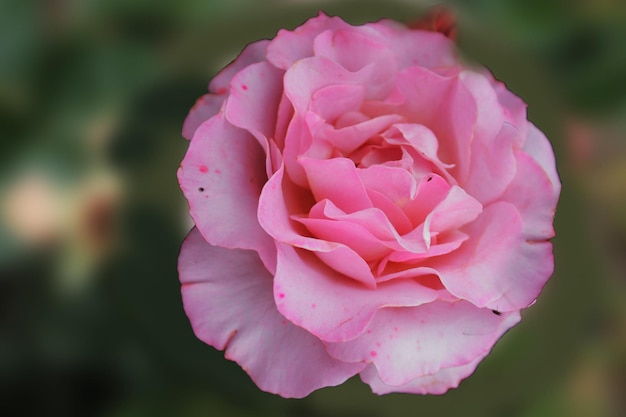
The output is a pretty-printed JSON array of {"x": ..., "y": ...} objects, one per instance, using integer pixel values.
[
  {"x": 421, "y": 143},
  {"x": 336, "y": 180}
]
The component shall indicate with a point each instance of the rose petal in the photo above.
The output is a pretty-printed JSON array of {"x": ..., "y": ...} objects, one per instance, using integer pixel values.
[
  {"x": 392, "y": 211},
  {"x": 454, "y": 211},
  {"x": 490, "y": 114},
  {"x": 221, "y": 176},
  {"x": 493, "y": 166},
  {"x": 333, "y": 101},
  {"x": 431, "y": 191},
  {"x": 356, "y": 237},
  {"x": 368, "y": 232},
  {"x": 416, "y": 47},
  {"x": 336, "y": 180},
  {"x": 442, "y": 104},
  {"x": 255, "y": 93},
  {"x": 349, "y": 138},
  {"x": 355, "y": 49},
  {"x": 325, "y": 303},
  {"x": 398, "y": 264},
  {"x": 438, "y": 383},
  {"x": 513, "y": 106},
  {"x": 252, "y": 53},
  {"x": 227, "y": 294},
  {"x": 538, "y": 146},
  {"x": 279, "y": 199},
  {"x": 309, "y": 75},
  {"x": 423, "y": 141},
  {"x": 206, "y": 107},
  {"x": 291, "y": 46},
  {"x": 497, "y": 267},
  {"x": 532, "y": 192},
  {"x": 409, "y": 343}
]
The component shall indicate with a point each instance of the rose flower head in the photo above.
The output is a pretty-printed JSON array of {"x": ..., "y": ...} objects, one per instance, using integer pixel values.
[{"x": 363, "y": 204}]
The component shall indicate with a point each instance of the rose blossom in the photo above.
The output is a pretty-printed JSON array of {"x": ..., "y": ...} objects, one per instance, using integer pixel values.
[{"x": 363, "y": 204}]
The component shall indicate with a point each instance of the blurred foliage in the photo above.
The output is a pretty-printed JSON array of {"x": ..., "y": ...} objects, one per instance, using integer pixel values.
[{"x": 92, "y": 98}]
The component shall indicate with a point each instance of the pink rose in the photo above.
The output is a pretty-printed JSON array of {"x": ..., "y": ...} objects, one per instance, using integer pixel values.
[{"x": 364, "y": 204}]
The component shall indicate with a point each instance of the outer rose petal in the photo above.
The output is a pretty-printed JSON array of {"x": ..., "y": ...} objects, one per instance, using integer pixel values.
[
  {"x": 206, "y": 107},
  {"x": 497, "y": 267},
  {"x": 252, "y": 53},
  {"x": 329, "y": 305},
  {"x": 539, "y": 148},
  {"x": 221, "y": 177},
  {"x": 227, "y": 294},
  {"x": 409, "y": 343},
  {"x": 255, "y": 93},
  {"x": 290, "y": 46},
  {"x": 438, "y": 383},
  {"x": 536, "y": 204},
  {"x": 416, "y": 47},
  {"x": 492, "y": 165}
]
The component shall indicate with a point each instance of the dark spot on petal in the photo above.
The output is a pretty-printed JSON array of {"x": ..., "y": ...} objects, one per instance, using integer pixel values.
[
  {"x": 496, "y": 312},
  {"x": 201, "y": 189},
  {"x": 429, "y": 179}
]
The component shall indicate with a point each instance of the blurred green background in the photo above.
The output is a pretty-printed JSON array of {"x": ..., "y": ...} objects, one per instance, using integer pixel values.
[{"x": 93, "y": 94}]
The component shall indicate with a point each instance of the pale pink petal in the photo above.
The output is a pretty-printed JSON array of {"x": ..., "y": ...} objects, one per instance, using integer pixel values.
[
  {"x": 398, "y": 264},
  {"x": 206, "y": 107},
  {"x": 333, "y": 101},
  {"x": 347, "y": 139},
  {"x": 290, "y": 46},
  {"x": 513, "y": 106},
  {"x": 329, "y": 305},
  {"x": 252, "y": 53},
  {"x": 356, "y": 237},
  {"x": 416, "y": 47},
  {"x": 532, "y": 192},
  {"x": 442, "y": 104},
  {"x": 394, "y": 213},
  {"x": 355, "y": 49},
  {"x": 227, "y": 294},
  {"x": 255, "y": 93},
  {"x": 436, "y": 384},
  {"x": 493, "y": 166},
  {"x": 412, "y": 342},
  {"x": 368, "y": 232},
  {"x": 221, "y": 176},
  {"x": 395, "y": 183},
  {"x": 336, "y": 180},
  {"x": 497, "y": 267},
  {"x": 431, "y": 191},
  {"x": 453, "y": 212},
  {"x": 390, "y": 189},
  {"x": 309, "y": 75},
  {"x": 538, "y": 146},
  {"x": 379, "y": 227},
  {"x": 421, "y": 139},
  {"x": 490, "y": 112},
  {"x": 345, "y": 260},
  {"x": 283, "y": 118},
  {"x": 279, "y": 199},
  {"x": 297, "y": 140}
]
